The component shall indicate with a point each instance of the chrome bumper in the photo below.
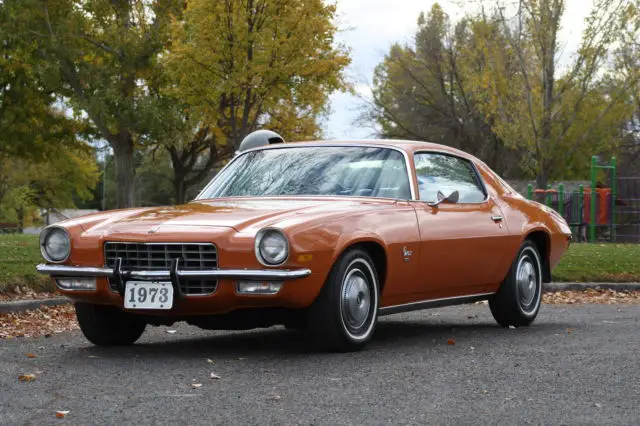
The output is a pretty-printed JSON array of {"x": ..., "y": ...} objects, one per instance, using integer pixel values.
[{"x": 238, "y": 274}]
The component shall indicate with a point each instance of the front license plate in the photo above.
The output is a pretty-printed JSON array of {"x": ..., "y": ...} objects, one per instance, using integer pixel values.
[{"x": 148, "y": 295}]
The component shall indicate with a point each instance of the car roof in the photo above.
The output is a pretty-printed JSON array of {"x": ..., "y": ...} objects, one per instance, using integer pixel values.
[{"x": 405, "y": 145}]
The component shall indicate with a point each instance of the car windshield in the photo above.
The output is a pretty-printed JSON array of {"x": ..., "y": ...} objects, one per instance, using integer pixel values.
[{"x": 330, "y": 170}]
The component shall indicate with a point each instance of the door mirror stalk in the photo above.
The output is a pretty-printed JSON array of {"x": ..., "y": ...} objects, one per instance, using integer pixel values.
[{"x": 450, "y": 199}]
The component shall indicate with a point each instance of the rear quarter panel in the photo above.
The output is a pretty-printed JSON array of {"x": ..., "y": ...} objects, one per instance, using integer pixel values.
[{"x": 524, "y": 217}]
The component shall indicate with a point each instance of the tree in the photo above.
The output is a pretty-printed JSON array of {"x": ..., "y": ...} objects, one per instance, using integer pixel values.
[
  {"x": 557, "y": 119},
  {"x": 96, "y": 56},
  {"x": 193, "y": 145},
  {"x": 30, "y": 125},
  {"x": 193, "y": 161},
  {"x": 423, "y": 91},
  {"x": 43, "y": 162},
  {"x": 27, "y": 185},
  {"x": 242, "y": 64}
]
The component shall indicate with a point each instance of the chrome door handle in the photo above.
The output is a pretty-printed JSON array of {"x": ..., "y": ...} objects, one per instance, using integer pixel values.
[{"x": 496, "y": 218}]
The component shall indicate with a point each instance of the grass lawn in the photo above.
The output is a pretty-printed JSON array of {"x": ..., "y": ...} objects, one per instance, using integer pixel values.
[
  {"x": 19, "y": 255},
  {"x": 599, "y": 263}
]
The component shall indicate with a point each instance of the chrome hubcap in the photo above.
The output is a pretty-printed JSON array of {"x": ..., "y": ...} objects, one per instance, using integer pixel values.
[
  {"x": 356, "y": 299},
  {"x": 527, "y": 281}
]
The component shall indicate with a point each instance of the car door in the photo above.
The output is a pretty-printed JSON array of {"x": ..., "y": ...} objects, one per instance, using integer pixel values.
[{"x": 460, "y": 243}]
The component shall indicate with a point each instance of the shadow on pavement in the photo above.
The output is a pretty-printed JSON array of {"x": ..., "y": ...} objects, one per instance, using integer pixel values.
[{"x": 390, "y": 336}]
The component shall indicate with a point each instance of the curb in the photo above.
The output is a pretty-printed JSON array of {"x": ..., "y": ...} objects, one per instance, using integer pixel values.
[
  {"x": 553, "y": 287},
  {"x": 26, "y": 305}
]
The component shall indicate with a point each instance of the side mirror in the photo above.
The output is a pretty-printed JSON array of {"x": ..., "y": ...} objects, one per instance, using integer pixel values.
[{"x": 450, "y": 199}]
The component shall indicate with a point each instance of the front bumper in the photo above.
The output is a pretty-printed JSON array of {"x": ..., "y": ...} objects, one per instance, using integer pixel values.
[
  {"x": 238, "y": 274},
  {"x": 119, "y": 277}
]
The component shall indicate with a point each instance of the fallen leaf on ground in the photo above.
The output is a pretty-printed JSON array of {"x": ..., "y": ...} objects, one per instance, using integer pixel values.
[
  {"x": 451, "y": 342},
  {"x": 30, "y": 356},
  {"x": 512, "y": 327},
  {"x": 598, "y": 405},
  {"x": 196, "y": 385},
  {"x": 210, "y": 361},
  {"x": 61, "y": 414},
  {"x": 26, "y": 377},
  {"x": 596, "y": 296},
  {"x": 28, "y": 296},
  {"x": 274, "y": 397},
  {"x": 215, "y": 376},
  {"x": 569, "y": 330},
  {"x": 38, "y": 322},
  {"x": 170, "y": 331}
]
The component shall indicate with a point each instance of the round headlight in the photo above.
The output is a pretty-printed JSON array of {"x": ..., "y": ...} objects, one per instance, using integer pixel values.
[
  {"x": 55, "y": 245},
  {"x": 272, "y": 247}
]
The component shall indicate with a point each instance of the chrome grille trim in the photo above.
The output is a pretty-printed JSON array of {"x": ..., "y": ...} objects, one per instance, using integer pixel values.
[{"x": 158, "y": 257}]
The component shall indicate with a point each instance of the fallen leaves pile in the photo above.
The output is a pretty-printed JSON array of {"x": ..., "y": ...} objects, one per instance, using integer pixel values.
[
  {"x": 25, "y": 294},
  {"x": 40, "y": 322},
  {"x": 604, "y": 297}
]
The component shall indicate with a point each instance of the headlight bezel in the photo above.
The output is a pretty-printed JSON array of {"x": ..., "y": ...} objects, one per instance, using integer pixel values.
[
  {"x": 257, "y": 246},
  {"x": 45, "y": 234}
]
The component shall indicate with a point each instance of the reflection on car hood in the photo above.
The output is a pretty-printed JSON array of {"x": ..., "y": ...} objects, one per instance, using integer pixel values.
[{"x": 237, "y": 213}]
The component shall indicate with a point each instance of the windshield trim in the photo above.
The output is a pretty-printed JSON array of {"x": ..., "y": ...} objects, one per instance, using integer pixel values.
[{"x": 317, "y": 145}]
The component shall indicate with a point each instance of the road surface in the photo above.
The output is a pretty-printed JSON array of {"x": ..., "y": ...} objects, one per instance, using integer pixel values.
[{"x": 578, "y": 364}]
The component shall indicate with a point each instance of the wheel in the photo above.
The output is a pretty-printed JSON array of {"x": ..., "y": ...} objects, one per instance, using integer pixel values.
[
  {"x": 343, "y": 317},
  {"x": 518, "y": 300},
  {"x": 108, "y": 325}
]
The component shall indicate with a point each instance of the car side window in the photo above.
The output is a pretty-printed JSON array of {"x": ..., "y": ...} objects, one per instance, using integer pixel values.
[{"x": 448, "y": 173}]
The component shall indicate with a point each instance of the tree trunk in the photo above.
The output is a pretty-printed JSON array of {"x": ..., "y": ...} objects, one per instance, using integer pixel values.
[
  {"x": 125, "y": 170},
  {"x": 181, "y": 191},
  {"x": 542, "y": 179},
  {"x": 179, "y": 175},
  {"x": 20, "y": 214}
]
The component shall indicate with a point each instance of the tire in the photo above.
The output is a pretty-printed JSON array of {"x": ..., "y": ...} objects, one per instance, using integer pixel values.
[
  {"x": 517, "y": 302},
  {"x": 108, "y": 325},
  {"x": 343, "y": 318}
]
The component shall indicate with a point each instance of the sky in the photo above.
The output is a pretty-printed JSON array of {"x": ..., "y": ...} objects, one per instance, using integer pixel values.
[{"x": 370, "y": 27}]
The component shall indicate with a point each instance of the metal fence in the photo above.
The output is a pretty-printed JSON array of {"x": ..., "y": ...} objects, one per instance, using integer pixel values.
[
  {"x": 627, "y": 208},
  {"x": 607, "y": 210}
]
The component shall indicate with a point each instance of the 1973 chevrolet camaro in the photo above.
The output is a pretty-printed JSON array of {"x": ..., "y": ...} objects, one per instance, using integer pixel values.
[{"x": 322, "y": 236}]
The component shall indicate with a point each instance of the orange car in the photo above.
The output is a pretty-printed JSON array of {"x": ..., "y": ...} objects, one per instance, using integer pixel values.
[{"x": 320, "y": 236}]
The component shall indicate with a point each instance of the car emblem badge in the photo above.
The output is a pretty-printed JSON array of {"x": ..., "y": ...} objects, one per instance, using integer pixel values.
[
  {"x": 153, "y": 230},
  {"x": 406, "y": 254}
]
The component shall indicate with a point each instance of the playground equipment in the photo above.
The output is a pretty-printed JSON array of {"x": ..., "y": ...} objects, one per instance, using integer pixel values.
[{"x": 588, "y": 208}]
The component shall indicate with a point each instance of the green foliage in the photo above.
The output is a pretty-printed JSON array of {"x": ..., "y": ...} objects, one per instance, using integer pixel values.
[
  {"x": 98, "y": 56},
  {"x": 234, "y": 67},
  {"x": 56, "y": 181},
  {"x": 241, "y": 65},
  {"x": 424, "y": 91},
  {"x": 491, "y": 85},
  {"x": 43, "y": 160},
  {"x": 557, "y": 119},
  {"x": 153, "y": 181}
]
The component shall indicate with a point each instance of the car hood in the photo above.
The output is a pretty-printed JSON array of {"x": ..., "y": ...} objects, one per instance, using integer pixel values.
[{"x": 238, "y": 213}]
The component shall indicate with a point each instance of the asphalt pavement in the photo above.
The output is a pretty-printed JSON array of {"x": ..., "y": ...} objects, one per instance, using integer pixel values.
[{"x": 578, "y": 364}]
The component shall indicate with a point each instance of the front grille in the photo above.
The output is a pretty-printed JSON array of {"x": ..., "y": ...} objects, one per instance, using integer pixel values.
[{"x": 158, "y": 257}]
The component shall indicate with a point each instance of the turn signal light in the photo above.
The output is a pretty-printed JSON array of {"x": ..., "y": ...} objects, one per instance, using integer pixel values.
[
  {"x": 254, "y": 287},
  {"x": 86, "y": 284}
]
